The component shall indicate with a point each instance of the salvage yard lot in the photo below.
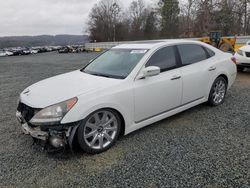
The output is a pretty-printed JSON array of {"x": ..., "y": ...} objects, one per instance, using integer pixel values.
[{"x": 201, "y": 147}]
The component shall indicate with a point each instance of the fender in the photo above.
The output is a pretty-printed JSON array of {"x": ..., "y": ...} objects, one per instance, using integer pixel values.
[{"x": 72, "y": 116}]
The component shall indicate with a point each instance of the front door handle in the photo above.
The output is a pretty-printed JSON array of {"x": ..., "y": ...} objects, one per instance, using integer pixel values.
[
  {"x": 212, "y": 68},
  {"x": 175, "y": 77}
]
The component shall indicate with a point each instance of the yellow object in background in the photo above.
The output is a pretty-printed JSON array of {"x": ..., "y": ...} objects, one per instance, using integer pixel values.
[{"x": 97, "y": 49}]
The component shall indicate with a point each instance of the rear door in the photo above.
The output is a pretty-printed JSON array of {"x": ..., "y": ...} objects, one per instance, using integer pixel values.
[{"x": 198, "y": 68}]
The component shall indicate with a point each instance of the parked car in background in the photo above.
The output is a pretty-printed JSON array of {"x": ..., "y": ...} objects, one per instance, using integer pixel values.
[
  {"x": 3, "y": 54},
  {"x": 9, "y": 53},
  {"x": 122, "y": 90},
  {"x": 27, "y": 51},
  {"x": 64, "y": 50},
  {"x": 34, "y": 51},
  {"x": 42, "y": 50},
  {"x": 48, "y": 49},
  {"x": 17, "y": 52},
  {"x": 242, "y": 57}
]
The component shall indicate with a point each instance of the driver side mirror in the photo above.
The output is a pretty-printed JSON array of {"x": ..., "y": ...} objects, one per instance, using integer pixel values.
[{"x": 151, "y": 71}]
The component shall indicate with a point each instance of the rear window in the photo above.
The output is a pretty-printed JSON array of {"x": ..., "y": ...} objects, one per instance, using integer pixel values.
[
  {"x": 191, "y": 53},
  {"x": 210, "y": 52}
]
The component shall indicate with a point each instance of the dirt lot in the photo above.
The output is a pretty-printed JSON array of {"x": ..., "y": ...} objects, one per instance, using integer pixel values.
[{"x": 201, "y": 147}]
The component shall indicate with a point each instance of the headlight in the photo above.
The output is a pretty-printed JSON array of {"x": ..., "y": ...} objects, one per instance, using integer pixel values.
[
  {"x": 240, "y": 52},
  {"x": 53, "y": 114}
]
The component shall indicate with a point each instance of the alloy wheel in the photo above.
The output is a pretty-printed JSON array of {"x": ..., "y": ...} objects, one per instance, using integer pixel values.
[
  {"x": 219, "y": 91},
  {"x": 100, "y": 129}
]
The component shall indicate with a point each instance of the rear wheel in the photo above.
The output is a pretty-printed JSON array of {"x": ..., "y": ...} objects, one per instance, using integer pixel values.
[
  {"x": 99, "y": 131},
  {"x": 218, "y": 92},
  {"x": 225, "y": 47}
]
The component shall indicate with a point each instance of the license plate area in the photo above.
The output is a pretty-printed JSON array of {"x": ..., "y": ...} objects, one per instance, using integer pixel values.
[{"x": 34, "y": 132}]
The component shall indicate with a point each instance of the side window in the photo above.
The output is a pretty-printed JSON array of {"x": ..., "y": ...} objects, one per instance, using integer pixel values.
[
  {"x": 163, "y": 58},
  {"x": 191, "y": 53}
]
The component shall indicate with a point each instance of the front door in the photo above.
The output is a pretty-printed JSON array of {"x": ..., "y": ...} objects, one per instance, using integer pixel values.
[{"x": 158, "y": 94}]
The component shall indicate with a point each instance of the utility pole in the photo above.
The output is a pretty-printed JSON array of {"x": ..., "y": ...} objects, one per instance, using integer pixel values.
[
  {"x": 245, "y": 19},
  {"x": 116, "y": 10},
  {"x": 114, "y": 31}
]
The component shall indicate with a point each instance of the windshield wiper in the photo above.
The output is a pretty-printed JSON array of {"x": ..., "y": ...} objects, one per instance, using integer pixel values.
[{"x": 103, "y": 75}]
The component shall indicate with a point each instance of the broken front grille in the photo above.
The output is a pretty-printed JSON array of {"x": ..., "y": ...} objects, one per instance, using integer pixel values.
[{"x": 26, "y": 111}]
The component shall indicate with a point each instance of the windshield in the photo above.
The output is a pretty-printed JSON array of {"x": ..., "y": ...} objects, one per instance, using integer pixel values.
[{"x": 115, "y": 63}]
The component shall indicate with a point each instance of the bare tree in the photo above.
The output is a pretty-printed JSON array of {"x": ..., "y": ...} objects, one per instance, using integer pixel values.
[
  {"x": 189, "y": 9},
  {"x": 151, "y": 29},
  {"x": 103, "y": 20},
  {"x": 169, "y": 11},
  {"x": 187, "y": 17},
  {"x": 168, "y": 19},
  {"x": 138, "y": 15}
]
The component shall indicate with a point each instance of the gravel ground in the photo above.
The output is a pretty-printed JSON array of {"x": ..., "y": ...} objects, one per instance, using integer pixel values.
[{"x": 201, "y": 147}]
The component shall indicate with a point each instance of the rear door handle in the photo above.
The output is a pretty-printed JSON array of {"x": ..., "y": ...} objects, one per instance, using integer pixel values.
[
  {"x": 175, "y": 77},
  {"x": 212, "y": 68}
]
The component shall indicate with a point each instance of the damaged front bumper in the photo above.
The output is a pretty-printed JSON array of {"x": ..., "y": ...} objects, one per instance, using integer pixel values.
[{"x": 53, "y": 137}]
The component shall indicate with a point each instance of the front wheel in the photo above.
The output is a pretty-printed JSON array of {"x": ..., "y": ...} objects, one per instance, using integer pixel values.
[
  {"x": 218, "y": 92},
  {"x": 99, "y": 131}
]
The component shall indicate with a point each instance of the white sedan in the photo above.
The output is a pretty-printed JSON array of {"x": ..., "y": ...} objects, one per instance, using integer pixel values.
[
  {"x": 122, "y": 90},
  {"x": 242, "y": 57},
  {"x": 3, "y": 54}
]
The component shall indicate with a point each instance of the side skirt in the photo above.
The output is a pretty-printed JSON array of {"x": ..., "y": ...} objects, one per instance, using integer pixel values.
[{"x": 161, "y": 116}]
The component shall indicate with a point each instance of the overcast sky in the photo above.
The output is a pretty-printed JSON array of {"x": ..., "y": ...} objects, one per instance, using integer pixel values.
[{"x": 36, "y": 17}]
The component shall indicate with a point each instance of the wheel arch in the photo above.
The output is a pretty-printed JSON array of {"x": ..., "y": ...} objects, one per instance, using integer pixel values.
[
  {"x": 210, "y": 101},
  {"x": 119, "y": 111},
  {"x": 122, "y": 121},
  {"x": 120, "y": 116},
  {"x": 73, "y": 134},
  {"x": 223, "y": 76}
]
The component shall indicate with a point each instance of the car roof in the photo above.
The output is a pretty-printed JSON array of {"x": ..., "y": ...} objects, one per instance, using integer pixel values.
[{"x": 151, "y": 44}]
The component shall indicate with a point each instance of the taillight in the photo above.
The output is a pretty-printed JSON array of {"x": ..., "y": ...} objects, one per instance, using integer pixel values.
[{"x": 233, "y": 60}]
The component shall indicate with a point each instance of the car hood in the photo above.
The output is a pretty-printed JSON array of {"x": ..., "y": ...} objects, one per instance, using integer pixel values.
[
  {"x": 245, "y": 48},
  {"x": 63, "y": 87}
]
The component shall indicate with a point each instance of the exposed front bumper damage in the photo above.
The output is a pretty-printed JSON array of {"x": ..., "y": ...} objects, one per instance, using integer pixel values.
[
  {"x": 34, "y": 132},
  {"x": 52, "y": 137}
]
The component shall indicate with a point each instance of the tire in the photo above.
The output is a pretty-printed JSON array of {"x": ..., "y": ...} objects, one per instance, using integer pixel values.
[
  {"x": 218, "y": 92},
  {"x": 99, "y": 131},
  {"x": 225, "y": 47}
]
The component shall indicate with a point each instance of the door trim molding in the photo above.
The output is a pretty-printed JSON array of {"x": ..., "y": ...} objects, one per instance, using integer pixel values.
[{"x": 168, "y": 110}]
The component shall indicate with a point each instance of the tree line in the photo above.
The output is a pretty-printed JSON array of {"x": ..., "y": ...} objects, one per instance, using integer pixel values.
[{"x": 110, "y": 21}]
